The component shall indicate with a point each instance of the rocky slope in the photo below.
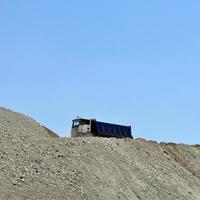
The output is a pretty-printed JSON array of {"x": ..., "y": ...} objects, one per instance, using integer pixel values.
[{"x": 35, "y": 164}]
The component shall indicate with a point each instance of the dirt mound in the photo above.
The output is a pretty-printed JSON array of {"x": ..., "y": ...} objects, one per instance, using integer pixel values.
[
  {"x": 34, "y": 165},
  {"x": 15, "y": 126},
  {"x": 186, "y": 156}
]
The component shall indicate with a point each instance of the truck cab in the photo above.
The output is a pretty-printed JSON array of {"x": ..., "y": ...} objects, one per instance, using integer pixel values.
[{"x": 81, "y": 127}]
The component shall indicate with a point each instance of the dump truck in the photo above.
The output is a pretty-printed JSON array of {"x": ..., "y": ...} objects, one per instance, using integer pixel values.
[{"x": 90, "y": 127}]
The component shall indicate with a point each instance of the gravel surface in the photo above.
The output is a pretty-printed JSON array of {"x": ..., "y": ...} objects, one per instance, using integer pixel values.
[{"x": 36, "y": 165}]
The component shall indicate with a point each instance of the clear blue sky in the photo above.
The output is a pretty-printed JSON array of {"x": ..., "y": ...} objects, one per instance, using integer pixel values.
[{"x": 127, "y": 62}]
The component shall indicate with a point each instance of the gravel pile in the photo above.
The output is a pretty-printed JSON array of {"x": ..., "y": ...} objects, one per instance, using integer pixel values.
[
  {"x": 35, "y": 165},
  {"x": 15, "y": 126}
]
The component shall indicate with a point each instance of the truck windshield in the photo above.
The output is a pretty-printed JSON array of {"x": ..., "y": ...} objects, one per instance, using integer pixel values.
[{"x": 75, "y": 124}]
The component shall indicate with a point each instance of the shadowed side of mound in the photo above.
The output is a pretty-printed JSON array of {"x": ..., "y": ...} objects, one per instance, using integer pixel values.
[{"x": 50, "y": 132}]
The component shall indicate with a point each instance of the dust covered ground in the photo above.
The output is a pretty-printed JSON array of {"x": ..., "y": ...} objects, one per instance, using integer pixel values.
[{"x": 37, "y": 164}]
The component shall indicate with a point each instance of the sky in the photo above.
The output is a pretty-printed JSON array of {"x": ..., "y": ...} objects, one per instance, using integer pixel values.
[{"x": 126, "y": 62}]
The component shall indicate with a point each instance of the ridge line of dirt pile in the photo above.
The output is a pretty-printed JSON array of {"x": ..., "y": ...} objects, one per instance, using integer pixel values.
[
  {"x": 35, "y": 165},
  {"x": 17, "y": 126}
]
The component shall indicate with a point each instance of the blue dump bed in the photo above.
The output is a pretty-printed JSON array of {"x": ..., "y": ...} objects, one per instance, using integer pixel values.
[{"x": 113, "y": 130}]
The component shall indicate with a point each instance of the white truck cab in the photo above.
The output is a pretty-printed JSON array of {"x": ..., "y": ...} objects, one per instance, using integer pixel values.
[{"x": 81, "y": 127}]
